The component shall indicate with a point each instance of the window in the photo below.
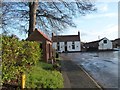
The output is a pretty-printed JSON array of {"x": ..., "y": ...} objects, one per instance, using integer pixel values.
[{"x": 105, "y": 41}]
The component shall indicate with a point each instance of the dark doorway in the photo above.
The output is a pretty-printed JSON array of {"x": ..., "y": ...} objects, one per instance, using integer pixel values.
[
  {"x": 65, "y": 48},
  {"x": 58, "y": 48}
]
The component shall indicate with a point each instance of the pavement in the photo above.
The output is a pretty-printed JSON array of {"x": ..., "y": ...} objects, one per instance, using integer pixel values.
[{"x": 75, "y": 76}]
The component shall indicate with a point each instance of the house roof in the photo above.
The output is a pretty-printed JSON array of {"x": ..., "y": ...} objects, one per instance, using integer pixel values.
[
  {"x": 39, "y": 34},
  {"x": 93, "y": 43},
  {"x": 118, "y": 39},
  {"x": 45, "y": 36},
  {"x": 65, "y": 38},
  {"x": 96, "y": 41}
]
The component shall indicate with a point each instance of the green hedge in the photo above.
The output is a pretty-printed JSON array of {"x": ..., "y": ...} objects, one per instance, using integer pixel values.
[
  {"x": 17, "y": 56},
  {"x": 23, "y": 56}
]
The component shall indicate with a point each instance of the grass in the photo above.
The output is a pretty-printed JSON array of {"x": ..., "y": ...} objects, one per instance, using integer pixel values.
[
  {"x": 43, "y": 76},
  {"x": 58, "y": 59},
  {"x": 46, "y": 66},
  {"x": 0, "y": 67},
  {"x": 0, "y": 75}
]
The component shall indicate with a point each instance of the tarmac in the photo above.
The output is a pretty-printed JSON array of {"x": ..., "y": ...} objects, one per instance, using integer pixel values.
[{"x": 76, "y": 77}]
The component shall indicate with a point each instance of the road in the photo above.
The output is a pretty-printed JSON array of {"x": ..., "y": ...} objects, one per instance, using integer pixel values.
[{"x": 102, "y": 66}]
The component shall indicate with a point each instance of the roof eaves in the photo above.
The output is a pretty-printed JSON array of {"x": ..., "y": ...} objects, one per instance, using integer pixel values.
[{"x": 45, "y": 36}]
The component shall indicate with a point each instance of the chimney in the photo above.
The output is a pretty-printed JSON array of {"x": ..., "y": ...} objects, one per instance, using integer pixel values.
[
  {"x": 52, "y": 36},
  {"x": 79, "y": 34}
]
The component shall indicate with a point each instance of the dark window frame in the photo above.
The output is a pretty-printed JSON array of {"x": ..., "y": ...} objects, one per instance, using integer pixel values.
[{"x": 105, "y": 41}]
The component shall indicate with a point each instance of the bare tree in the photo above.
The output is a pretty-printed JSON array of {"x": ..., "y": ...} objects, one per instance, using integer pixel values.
[
  {"x": 15, "y": 16},
  {"x": 48, "y": 16}
]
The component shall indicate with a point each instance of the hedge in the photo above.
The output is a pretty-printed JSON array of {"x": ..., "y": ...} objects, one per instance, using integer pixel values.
[
  {"x": 17, "y": 56},
  {"x": 24, "y": 56}
]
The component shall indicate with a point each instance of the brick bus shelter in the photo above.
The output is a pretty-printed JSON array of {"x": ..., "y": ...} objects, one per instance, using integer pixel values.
[{"x": 45, "y": 43}]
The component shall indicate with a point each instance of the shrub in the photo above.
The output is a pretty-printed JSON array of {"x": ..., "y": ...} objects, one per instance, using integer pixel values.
[
  {"x": 46, "y": 66},
  {"x": 23, "y": 56},
  {"x": 17, "y": 57}
]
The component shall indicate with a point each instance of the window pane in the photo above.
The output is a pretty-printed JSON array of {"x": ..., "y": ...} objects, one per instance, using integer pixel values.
[{"x": 105, "y": 41}]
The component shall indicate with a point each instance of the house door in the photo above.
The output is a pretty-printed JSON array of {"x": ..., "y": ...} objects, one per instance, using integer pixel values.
[{"x": 65, "y": 48}]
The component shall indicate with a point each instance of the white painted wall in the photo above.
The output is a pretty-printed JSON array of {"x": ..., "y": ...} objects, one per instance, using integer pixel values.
[
  {"x": 54, "y": 45},
  {"x": 62, "y": 46},
  {"x": 104, "y": 46},
  {"x": 77, "y": 46},
  {"x": 69, "y": 46}
]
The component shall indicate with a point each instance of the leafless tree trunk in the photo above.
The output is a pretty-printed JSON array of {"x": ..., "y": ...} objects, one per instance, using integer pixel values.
[{"x": 32, "y": 16}]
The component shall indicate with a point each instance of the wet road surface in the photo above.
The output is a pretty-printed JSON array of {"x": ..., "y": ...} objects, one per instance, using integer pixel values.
[{"x": 102, "y": 66}]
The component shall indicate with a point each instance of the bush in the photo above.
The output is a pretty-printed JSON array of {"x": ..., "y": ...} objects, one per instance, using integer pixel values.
[
  {"x": 23, "y": 56},
  {"x": 42, "y": 78},
  {"x": 17, "y": 56}
]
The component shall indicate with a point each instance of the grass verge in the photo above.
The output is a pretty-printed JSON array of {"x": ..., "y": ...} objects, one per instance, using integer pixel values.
[{"x": 44, "y": 76}]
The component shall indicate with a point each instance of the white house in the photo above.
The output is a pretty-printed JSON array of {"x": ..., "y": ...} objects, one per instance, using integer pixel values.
[
  {"x": 102, "y": 44},
  {"x": 66, "y": 43},
  {"x": 105, "y": 44}
]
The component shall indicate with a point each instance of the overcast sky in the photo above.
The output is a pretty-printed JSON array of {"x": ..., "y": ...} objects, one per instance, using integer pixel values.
[{"x": 94, "y": 26}]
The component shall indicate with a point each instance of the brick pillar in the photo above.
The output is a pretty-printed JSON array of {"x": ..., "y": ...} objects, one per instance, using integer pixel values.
[{"x": 45, "y": 51}]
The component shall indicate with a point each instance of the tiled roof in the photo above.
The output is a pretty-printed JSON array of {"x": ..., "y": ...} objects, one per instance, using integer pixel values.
[
  {"x": 64, "y": 38},
  {"x": 118, "y": 39},
  {"x": 45, "y": 36},
  {"x": 96, "y": 41},
  {"x": 36, "y": 35}
]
